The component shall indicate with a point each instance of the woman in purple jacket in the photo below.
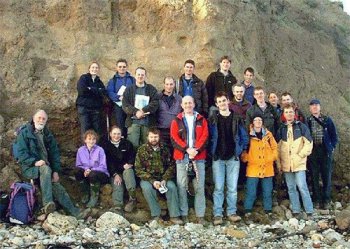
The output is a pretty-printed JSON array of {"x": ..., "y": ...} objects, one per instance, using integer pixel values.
[{"x": 91, "y": 167}]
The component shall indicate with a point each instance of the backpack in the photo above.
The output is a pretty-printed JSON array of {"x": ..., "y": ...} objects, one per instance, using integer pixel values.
[
  {"x": 21, "y": 205},
  {"x": 14, "y": 145}
]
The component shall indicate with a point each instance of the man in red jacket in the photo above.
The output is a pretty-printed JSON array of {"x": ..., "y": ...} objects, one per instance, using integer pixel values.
[{"x": 189, "y": 135}]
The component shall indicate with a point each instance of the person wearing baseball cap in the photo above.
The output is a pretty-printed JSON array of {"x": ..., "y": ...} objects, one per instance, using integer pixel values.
[{"x": 324, "y": 135}]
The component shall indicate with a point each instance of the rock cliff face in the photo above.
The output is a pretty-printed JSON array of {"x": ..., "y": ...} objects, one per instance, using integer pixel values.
[{"x": 301, "y": 46}]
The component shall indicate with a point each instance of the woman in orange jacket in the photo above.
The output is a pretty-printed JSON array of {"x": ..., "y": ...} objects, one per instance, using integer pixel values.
[{"x": 260, "y": 157}]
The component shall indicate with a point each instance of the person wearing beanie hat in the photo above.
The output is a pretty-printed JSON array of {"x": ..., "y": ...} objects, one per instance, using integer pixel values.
[
  {"x": 260, "y": 158},
  {"x": 324, "y": 135}
]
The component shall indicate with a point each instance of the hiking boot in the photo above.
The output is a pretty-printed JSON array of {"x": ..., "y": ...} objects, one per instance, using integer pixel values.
[
  {"x": 185, "y": 219},
  {"x": 117, "y": 210},
  {"x": 84, "y": 186},
  {"x": 327, "y": 206},
  {"x": 234, "y": 218},
  {"x": 82, "y": 214},
  {"x": 201, "y": 220},
  {"x": 130, "y": 206},
  {"x": 217, "y": 221},
  {"x": 310, "y": 216},
  {"x": 297, "y": 216},
  {"x": 176, "y": 221},
  {"x": 94, "y": 194},
  {"x": 156, "y": 218},
  {"x": 247, "y": 215},
  {"x": 49, "y": 207}
]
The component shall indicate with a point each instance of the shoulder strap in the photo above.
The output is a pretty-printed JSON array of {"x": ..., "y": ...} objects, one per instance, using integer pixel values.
[{"x": 319, "y": 121}]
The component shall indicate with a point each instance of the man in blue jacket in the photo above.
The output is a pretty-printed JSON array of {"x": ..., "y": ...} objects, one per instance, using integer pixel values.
[
  {"x": 115, "y": 89},
  {"x": 39, "y": 158},
  {"x": 228, "y": 139},
  {"x": 324, "y": 135}
]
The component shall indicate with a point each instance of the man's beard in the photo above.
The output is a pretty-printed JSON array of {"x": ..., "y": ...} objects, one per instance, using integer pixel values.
[{"x": 39, "y": 126}]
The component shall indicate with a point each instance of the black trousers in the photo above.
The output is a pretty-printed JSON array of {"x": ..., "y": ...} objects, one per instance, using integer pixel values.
[{"x": 93, "y": 177}]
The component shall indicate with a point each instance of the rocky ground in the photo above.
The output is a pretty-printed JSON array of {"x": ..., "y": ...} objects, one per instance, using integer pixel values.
[{"x": 327, "y": 229}]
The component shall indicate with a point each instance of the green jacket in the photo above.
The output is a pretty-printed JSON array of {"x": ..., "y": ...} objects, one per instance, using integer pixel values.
[
  {"x": 153, "y": 165},
  {"x": 29, "y": 151}
]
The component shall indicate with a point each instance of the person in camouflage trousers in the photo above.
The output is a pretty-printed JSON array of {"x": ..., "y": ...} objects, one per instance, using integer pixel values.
[{"x": 156, "y": 168}]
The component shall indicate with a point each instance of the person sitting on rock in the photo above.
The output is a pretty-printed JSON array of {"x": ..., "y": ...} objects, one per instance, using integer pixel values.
[
  {"x": 260, "y": 157},
  {"x": 294, "y": 146},
  {"x": 120, "y": 161},
  {"x": 156, "y": 168},
  {"x": 39, "y": 158},
  {"x": 91, "y": 167}
]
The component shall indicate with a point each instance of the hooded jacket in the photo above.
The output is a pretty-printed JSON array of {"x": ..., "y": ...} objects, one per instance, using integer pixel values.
[{"x": 261, "y": 154}]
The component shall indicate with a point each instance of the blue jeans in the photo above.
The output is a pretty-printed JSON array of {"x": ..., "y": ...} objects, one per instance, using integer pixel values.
[
  {"x": 118, "y": 190},
  {"x": 294, "y": 180},
  {"x": 89, "y": 119},
  {"x": 251, "y": 187},
  {"x": 182, "y": 184},
  {"x": 230, "y": 169},
  {"x": 120, "y": 117},
  {"x": 172, "y": 198}
]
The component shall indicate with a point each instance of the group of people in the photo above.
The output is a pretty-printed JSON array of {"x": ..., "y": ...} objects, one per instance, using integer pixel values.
[{"x": 166, "y": 138}]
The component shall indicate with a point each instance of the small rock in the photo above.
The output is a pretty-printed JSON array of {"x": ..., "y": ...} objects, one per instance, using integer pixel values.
[
  {"x": 288, "y": 214},
  {"x": 317, "y": 237},
  {"x": 332, "y": 235},
  {"x": 285, "y": 203},
  {"x": 343, "y": 219},
  {"x": 17, "y": 241},
  {"x": 111, "y": 220},
  {"x": 59, "y": 224},
  {"x": 316, "y": 244},
  {"x": 323, "y": 211},
  {"x": 323, "y": 224},
  {"x": 153, "y": 224},
  {"x": 134, "y": 227},
  {"x": 191, "y": 227},
  {"x": 235, "y": 233},
  {"x": 294, "y": 223},
  {"x": 337, "y": 205}
]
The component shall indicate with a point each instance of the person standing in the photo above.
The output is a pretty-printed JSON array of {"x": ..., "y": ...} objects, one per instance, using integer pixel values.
[
  {"x": 239, "y": 104},
  {"x": 140, "y": 103},
  {"x": 324, "y": 134},
  {"x": 169, "y": 107},
  {"x": 91, "y": 92},
  {"x": 264, "y": 109},
  {"x": 248, "y": 84},
  {"x": 191, "y": 85},
  {"x": 220, "y": 80},
  {"x": 260, "y": 158},
  {"x": 294, "y": 146},
  {"x": 189, "y": 136},
  {"x": 115, "y": 89},
  {"x": 227, "y": 141}
]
